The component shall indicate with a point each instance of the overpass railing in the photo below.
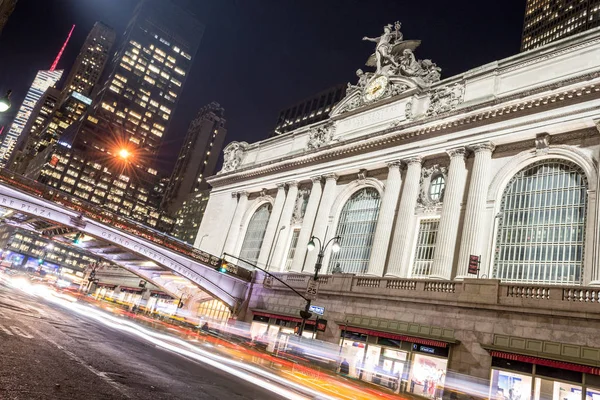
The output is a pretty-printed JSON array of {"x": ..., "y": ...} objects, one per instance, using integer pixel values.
[{"x": 105, "y": 216}]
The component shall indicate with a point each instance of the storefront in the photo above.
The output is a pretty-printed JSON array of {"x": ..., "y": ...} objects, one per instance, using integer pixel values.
[
  {"x": 159, "y": 301},
  {"x": 131, "y": 296},
  {"x": 399, "y": 362},
  {"x": 267, "y": 326},
  {"x": 522, "y": 377},
  {"x": 105, "y": 291}
]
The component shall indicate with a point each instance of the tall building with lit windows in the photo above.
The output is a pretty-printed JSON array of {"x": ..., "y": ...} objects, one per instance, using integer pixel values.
[
  {"x": 550, "y": 20},
  {"x": 198, "y": 156},
  {"x": 74, "y": 99},
  {"x": 108, "y": 157},
  {"x": 43, "y": 80}
]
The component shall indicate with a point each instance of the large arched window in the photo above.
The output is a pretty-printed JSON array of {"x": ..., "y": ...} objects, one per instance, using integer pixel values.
[
  {"x": 255, "y": 233},
  {"x": 541, "y": 226},
  {"x": 356, "y": 227}
]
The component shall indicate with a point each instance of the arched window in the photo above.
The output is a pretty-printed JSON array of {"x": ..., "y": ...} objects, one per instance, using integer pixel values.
[
  {"x": 255, "y": 233},
  {"x": 541, "y": 226},
  {"x": 356, "y": 227}
]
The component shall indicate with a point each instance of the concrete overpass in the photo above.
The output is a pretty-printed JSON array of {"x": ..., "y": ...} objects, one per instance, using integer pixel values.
[{"x": 137, "y": 248}]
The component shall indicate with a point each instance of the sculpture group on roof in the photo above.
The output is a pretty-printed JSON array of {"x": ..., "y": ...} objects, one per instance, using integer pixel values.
[{"x": 395, "y": 56}]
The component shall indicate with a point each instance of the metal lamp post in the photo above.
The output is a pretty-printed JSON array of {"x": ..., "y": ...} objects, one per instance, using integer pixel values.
[
  {"x": 335, "y": 247},
  {"x": 268, "y": 266},
  {"x": 201, "y": 239}
]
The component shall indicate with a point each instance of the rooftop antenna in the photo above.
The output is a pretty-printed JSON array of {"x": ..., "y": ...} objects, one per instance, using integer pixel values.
[{"x": 55, "y": 63}]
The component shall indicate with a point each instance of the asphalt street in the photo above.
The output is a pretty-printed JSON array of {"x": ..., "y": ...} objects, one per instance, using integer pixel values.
[{"x": 50, "y": 352}]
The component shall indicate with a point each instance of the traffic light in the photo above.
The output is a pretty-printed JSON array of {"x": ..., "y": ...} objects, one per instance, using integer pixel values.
[
  {"x": 223, "y": 266},
  {"x": 77, "y": 239},
  {"x": 40, "y": 261}
]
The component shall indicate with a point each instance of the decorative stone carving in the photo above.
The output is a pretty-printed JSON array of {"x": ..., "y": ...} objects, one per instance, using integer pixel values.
[
  {"x": 233, "y": 155},
  {"x": 300, "y": 206},
  {"x": 362, "y": 81},
  {"x": 457, "y": 152},
  {"x": 320, "y": 136},
  {"x": 395, "y": 56},
  {"x": 394, "y": 123},
  {"x": 486, "y": 146},
  {"x": 362, "y": 175},
  {"x": 425, "y": 200},
  {"x": 542, "y": 143},
  {"x": 408, "y": 110},
  {"x": 445, "y": 99}
]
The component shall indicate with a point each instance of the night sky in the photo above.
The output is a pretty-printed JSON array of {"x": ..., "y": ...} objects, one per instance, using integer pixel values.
[{"x": 259, "y": 56}]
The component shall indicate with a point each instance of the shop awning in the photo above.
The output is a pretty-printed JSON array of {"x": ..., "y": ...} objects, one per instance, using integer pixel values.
[
  {"x": 282, "y": 316},
  {"x": 395, "y": 336},
  {"x": 131, "y": 289},
  {"x": 595, "y": 370},
  {"x": 106, "y": 285}
]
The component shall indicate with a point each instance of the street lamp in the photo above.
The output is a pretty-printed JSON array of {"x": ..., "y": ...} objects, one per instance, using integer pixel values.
[
  {"x": 5, "y": 101},
  {"x": 124, "y": 154},
  {"x": 201, "y": 239},
  {"x": 335, "y": 247},
  {"x": 268, "y": 266}
]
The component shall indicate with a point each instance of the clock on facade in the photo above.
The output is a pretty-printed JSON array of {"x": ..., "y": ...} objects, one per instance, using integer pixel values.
[{"x": 376, "y": 88}]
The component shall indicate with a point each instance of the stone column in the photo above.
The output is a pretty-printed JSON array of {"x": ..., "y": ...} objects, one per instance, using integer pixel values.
[
  {"x": 272, "y": 227},
  {"x": 472, "y": 234},
  {"x": 285, "y": 220},
  {"x": 321, "y": 222},
  {"x": 234, "y": 228},
  {"x": 399, "y": 255},
  {"x": 385, "y": 220},
  {"x": 445, "y": 247},
  {"x": 307, "y": 224}
]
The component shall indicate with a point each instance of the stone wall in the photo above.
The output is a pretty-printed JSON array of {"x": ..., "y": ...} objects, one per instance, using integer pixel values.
[{"x": 475, "y": 310}]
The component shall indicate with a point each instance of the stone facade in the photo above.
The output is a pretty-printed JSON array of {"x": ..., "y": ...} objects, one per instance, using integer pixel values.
[{"x": 475, "y": 134}]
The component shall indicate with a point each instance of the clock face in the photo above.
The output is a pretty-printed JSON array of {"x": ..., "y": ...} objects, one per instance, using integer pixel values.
[{"x": 376, "y": 88}]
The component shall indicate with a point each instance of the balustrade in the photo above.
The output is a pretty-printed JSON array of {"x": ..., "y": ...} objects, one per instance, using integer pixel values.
[
  {"x": 584, "y": 295},
  {"x": 368, "y": 282},
  {"x": 401, "y": 284},
  {"x": 528, "y": 292},
  {"x": 445, "y": 287}
]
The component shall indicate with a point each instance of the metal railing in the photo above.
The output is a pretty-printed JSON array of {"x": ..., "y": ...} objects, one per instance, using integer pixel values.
[{"x": 105, "y": 216}]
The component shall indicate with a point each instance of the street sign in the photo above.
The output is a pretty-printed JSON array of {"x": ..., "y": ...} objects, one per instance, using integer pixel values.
[
  {"x": 312, "y": 289},
  {"x": 317, "y": 309},
  {"x": 473, "y": 264}
]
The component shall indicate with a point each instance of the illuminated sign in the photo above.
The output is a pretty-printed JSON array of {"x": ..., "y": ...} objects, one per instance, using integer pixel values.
[
  {"x": 317, "y": 310},
  {"x": 82, "y": 98},
  {"x": 67, "y": 145}
]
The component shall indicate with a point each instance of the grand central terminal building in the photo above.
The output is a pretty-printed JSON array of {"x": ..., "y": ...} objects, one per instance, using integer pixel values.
[{"x": 467, "y": 215}]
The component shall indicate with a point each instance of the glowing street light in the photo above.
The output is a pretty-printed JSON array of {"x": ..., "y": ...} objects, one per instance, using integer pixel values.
[
  {"x": 124, "y": 154},
  {"x": 5, "y": 101}
]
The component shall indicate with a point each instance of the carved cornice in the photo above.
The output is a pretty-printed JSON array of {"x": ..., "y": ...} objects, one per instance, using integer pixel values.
[{"x": 391, "y": 136}]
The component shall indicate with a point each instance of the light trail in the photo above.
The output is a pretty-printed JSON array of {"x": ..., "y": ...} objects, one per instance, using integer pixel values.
[{"x": 249, "y": 373}]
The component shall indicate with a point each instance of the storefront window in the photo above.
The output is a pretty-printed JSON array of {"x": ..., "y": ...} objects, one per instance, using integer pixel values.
[
  {"x": 427, "y": 375},
  {"x": 510, "y": 386},
  {"x": 547, "y": 389},
  {"x": 353, "y": 353},
  {"x": 592, "y": 394}
]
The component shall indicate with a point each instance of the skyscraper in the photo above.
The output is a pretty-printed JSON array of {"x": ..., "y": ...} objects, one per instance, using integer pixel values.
[
  {"x": 74, "y": 99},
  {"x": 43, "y": 80},
  {"x": 198, "y": 156},
  {"x": 113, "y": 148},
  {"x": 308, "y": 111},
  {"x": 550, "y": 20},
  {"x": 6, "y": 8},
  {"x": 90, "y": 61}
]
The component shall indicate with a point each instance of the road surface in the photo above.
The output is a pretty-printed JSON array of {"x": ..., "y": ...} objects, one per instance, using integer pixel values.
[{"x": 50, "y": 352}]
